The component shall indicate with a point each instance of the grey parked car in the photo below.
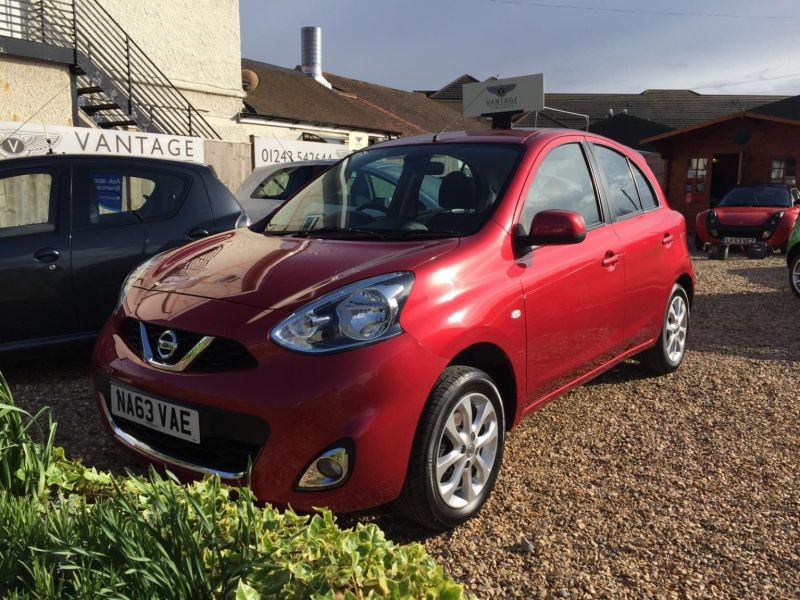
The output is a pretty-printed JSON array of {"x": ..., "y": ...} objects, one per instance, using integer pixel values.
[{"x": 268, "y": 187}]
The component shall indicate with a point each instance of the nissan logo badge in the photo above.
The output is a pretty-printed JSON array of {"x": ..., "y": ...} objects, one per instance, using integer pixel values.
[{"x": 167, "y": 344}]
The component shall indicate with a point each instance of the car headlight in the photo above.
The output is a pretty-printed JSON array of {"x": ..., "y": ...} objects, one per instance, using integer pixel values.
[
  {"x": 362, "y": 313},
  {"x": 775, "y": 218},
  {"x": 135, "y": 274}
]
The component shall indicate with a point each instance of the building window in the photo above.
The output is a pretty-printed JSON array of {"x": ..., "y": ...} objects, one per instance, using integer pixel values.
[
  {"x": 783, "y": 171},
  {"x": 698, "y": 167}
]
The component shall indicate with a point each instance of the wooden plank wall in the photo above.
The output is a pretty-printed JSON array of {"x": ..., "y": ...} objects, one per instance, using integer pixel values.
[{"x": 233, "y": 161}]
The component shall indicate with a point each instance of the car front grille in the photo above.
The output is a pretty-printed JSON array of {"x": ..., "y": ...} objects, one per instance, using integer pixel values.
[
  {"x": 222, "y": 354},
  {"x": 742, "y": 231}
]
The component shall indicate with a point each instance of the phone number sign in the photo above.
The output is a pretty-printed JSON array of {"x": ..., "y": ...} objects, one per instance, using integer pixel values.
[{"x": 270, "y": 151}]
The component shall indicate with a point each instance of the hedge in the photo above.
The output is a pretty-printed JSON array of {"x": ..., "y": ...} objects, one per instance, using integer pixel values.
[{"x": 68, "y": 531}]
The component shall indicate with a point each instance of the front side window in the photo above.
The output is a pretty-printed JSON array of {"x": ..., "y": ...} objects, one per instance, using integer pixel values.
[
  {"x": 26, "y": 199},
  {"x": 623, "y": 199},
  {"x": 114, "y": 196},
  {"x": 783, "y": 170},
  {"x": 562, "y": 182},
  {"x": 443, "y": 190}
]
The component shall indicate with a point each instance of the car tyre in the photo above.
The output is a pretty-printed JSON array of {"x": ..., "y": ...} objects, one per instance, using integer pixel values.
[
  {"x": 699, "y": 244},
  {"x": 670, "y": 349},
  {"x": 453, "y": 466},
  {"x": 794, "y": 274}
]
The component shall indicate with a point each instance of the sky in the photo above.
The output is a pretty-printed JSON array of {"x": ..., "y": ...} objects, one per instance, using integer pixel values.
[{"x": 623, "y": 46}]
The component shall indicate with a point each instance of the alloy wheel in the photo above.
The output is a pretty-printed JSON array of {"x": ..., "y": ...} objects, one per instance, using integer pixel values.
[
  {"x": 675, "y": 328},
  {"x": 467, "y": 451},
  {"x": 796, "y": 276}
]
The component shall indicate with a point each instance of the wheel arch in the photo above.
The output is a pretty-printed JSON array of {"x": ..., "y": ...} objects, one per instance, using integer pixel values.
[
  {"x": 792, "y": 254},
  {"x": 686, "y": 282},
  {"x": 491, "y": 359}
]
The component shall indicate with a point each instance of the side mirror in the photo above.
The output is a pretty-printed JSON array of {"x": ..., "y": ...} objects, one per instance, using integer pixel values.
[{"x": 554, "y": 227}]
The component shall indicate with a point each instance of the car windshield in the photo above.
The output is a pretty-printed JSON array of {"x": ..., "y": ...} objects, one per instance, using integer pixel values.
[
  {"x": 431, "y": 190},
  {"x": 757, "y": 195}
]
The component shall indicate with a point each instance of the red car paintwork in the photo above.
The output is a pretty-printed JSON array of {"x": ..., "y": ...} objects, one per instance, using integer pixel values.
[
  {"x": 579, "y": 310},
  {"x": 747, "y": 216}
]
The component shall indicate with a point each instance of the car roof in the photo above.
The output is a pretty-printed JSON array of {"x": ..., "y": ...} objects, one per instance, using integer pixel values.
[
  {"x": 298, "y": 163},
  {"x": 81, "y": 158},
  {"x": 747, "y": 185},
  {"x": 489, "y": 136}
]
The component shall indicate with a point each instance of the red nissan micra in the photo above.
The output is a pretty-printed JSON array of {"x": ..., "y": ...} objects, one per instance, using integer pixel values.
[{"x": 375, "y": 338}]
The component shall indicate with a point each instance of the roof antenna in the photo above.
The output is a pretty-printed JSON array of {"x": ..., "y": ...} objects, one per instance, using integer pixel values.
[{"x": 446, "y": 127}]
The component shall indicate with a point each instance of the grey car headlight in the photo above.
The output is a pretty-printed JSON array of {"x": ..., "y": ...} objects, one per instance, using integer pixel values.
[
  {"x": 135, "y": 274},
  {"x": 358, "y": 314}
]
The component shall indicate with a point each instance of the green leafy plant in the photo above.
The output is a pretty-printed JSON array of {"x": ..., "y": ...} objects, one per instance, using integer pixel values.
[{"x": 71, "y": 532}]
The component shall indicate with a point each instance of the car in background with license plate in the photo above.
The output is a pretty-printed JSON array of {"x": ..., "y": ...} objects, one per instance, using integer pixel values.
[
  {"x": 758, "y": 217},
  {"x": 73, "y": 226},
  {"x": 358, "y": 349}
]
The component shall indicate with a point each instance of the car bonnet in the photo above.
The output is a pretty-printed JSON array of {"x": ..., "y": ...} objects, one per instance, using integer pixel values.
[{"x": 282, "y": 273}]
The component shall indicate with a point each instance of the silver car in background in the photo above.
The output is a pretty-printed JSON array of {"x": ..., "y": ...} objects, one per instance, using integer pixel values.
[{"x": 270, "y": 186}]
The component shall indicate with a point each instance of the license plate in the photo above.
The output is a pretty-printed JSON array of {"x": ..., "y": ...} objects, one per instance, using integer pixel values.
[
  {"x": 733, "y": 241},
  {"x": 174, "y": 420}
]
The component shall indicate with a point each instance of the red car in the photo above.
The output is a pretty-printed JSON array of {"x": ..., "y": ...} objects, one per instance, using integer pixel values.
[
  {"x": 759, "y": 217},
  {"x": 361, "y": 348}
]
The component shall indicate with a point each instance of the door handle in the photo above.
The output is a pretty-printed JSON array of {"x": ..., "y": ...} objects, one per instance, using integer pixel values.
[
  {"x": 46, "y": 255},
  {"x": 668, "y": 239},
  {"x": 197, "y": 233},
  {"x": 610, "y": 259}
]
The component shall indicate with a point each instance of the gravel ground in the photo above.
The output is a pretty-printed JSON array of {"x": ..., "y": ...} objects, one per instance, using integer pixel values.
[{"x": 684, "y": 486}]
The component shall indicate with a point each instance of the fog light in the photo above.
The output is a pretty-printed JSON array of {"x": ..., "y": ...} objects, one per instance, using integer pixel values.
[{"x": 329, "y": 469}]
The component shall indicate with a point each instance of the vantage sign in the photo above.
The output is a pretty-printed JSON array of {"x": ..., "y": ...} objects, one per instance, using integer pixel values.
[
  {"x": 494, "y": 96},
  {"x": 31, "y": 140}
]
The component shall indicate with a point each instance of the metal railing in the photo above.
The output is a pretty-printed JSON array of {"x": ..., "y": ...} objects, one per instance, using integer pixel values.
[{"x": 111, "y": 60}]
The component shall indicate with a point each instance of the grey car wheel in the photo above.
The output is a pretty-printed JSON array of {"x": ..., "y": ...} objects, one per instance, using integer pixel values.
[{"x": 457, "y": 450}]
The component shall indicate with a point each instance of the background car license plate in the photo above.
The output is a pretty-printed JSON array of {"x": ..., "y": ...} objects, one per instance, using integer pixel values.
[
  {"x": 174, "y": 420},
  {"x": 739, "y": 240}
]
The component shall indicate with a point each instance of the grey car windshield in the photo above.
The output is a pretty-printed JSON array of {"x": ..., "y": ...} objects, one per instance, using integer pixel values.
[
  {"x": 758, "y": 195},
  {"x": 436, "y": 190}
]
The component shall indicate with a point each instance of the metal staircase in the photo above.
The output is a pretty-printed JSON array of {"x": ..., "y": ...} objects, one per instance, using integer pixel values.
[{"x": 117, "y": 84}]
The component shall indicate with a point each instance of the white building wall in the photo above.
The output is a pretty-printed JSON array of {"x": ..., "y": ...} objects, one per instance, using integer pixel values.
[
  {"x": 27, "y": 85},
  {"x": 196, "y": 43}
]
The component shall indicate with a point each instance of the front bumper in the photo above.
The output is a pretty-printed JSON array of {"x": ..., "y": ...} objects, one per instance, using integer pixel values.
[{"x": 369, "y": 397}]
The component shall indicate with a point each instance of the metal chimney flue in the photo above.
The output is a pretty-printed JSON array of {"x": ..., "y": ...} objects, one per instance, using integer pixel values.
[{"x": 311, "y": 47}]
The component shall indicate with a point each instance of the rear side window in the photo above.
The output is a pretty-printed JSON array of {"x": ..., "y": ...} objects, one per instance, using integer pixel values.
[
  {"x": 647, "y": 196},
  {"x": 118, "y": 196},
  {"x": 562, "y": 182},
  {"x": 284, "y": 183},
  {"x": 623, "y": 198},
  {"x": 26, "y": 199}
]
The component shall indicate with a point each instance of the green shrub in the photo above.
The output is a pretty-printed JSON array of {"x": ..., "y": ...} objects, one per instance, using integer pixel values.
[{"x": 71, "y": 532}]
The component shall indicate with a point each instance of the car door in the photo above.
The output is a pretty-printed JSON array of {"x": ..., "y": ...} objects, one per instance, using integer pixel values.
[
  {"x": 650, "y": 237},
  {"x": 123, "y": 213},
  {"x": 35, "y": 270},
  {"x": 574, "y": 294}
]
